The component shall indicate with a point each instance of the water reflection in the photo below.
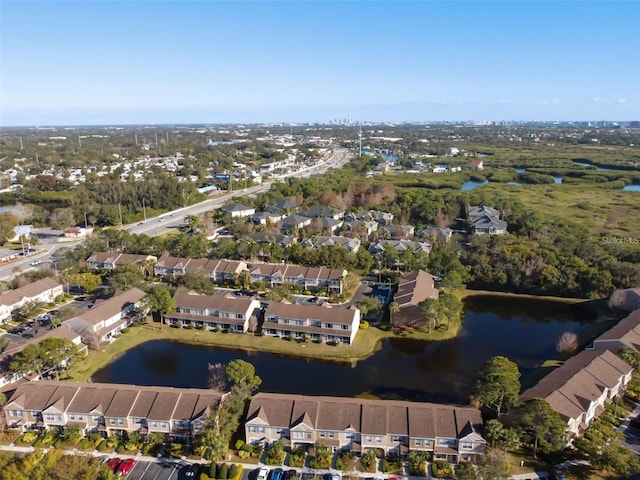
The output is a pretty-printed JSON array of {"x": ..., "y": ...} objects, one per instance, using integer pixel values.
[{"x": 525, "y": 330}]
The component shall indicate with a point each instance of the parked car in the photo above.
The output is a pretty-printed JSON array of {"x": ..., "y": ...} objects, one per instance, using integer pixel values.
[
  {"x": 276, "y": 474},
  {"x": 126, "y": 466},
  {"x": 263, "y": 473},
  {"x": 113, "y": 464},
  {"x": 35, "y": 263},
  {"x": 191, "y": 471},
  {"x": 290, "y": 474},
  {"x": 558, "y": 474}
]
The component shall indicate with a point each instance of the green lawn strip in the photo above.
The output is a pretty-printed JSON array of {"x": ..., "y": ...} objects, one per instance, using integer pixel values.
[{"x": 366, "y": 343}]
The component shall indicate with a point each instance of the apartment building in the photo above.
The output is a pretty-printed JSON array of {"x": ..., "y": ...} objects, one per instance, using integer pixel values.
[
  {"x": 307, "y": 278},
  {"x": 220, "y": 271},
  {"x": 413, "y": 288},
  {"x": 107, "y": 319},
  {"x": 112, "y": 260},
  {"x": 109, "y": 408},
  {"x": 452, "y": 433},
  {"x": 213, "y": 312},
  {"x": 580, "y": 388},
  {"x": 318, "y": 322},
  {"x": 45, "y": 290}
]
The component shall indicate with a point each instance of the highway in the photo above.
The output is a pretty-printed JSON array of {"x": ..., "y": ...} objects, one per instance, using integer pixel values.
[{"x": 159, "y": 225}]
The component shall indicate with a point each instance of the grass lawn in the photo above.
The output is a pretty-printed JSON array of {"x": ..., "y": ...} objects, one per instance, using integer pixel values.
[
  {"x": 530, "y": 464},
  {"x": 366, "y": 344}
]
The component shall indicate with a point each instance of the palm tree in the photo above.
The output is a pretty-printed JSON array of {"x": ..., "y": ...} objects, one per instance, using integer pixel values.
[{"x": 394, "y": 308}]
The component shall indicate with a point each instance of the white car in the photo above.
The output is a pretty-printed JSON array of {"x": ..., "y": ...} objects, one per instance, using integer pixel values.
[
  {"x": 35, "y": 263},
  {"x": 263, "y": 473}
]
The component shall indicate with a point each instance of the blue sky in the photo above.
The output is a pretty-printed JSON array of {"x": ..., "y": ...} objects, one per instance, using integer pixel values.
[{"x": 105, "y": 62}]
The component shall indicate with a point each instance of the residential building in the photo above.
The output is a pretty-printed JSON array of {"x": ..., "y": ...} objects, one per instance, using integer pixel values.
[
  {"x": 450, "y": 432},
  {"x": 40, "y": 291},
  {"x": 238, "y": 210},
  {"x": 378, "y": 248},
  {"x": 366, "y": 227},
  {"x": 109, "y": 408},
  {"x": 112, "y": 260},
  {"x": 265, "y": 218},
  {"x": 351, "y": 244},
  {"x": 307, "y": 278},
  {"x": 397, "y": 231},
  {"x": 211, "y": 312},
  {"x": 626, "y": 333},
  {"x": 486, "y": 220},
  {"x": 580, "y": 388},
  {"x": 317, "y": 211},
  {"x": 435, "y": 233},
  {"x": 271, "y": 238},
  {"x": 319, "y": 323},
  {"x": 295, "y": 222},
  {"x": 413, "y": 288},
  {"x": 219, "y": 270},
  {"x": 477, "y": 165},
  {"x": 107, "y": 319},
  {"x": 8, "y": 376}
]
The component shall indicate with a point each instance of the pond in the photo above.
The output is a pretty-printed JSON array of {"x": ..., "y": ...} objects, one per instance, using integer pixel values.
[
  {"x": 525, "y": 330},
  {"x": 470, "y": 185},
  {"x": 631, "y": 188}
]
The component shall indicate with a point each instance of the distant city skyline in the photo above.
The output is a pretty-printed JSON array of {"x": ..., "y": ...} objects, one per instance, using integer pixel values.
[{"x": 110, "y": 62}]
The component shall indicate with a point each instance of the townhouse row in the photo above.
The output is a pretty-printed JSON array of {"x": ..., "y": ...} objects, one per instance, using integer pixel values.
[
  {"x": 449, "y": 432},
  {"x": 224, "y": 271},
  {"x": 240, "y": 315},
  {"x": 109, "y": 408},
  {"x": 45, "y": 290},
  {"x": 580, "y": 389}
]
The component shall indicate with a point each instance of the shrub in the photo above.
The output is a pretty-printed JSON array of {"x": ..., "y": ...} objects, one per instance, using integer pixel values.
[
  {"x": 85, "y": 444},
  {"x": 28, "y": 437},
  {"x": 233, "y": 471},
  {"x": 364, "y": 325},
  {"x": 175, "y": 325},
  {"x": 188, "y": 326},
  {"x": 368, "y": 461},
  {"x": 125, "y": 330},
  {"x": 296, "y": 459},
  {"x": 213, "y": 468},
  {"x": 239, "y": 444},
  {"x": 102, "y": 445},
  {"x": 384, "y": 465},
  {"x": 200, "y": 327},
  {"x": 466, "y": 470},
  {"x": 222, "y": 471},
  {"x": 417, "y": 463},
  {"x": 442, "y": 469}
]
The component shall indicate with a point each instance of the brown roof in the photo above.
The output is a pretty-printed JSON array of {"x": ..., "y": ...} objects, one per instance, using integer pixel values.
[
  {"x": 415, "y": 287},
  {"x": 113, "y": 400},
  {"x": 570, "y": 387},
  {"x": 300, "y": 311},
  {"x": 374, "y": 417},
  {"x": 213, "y": 302},
  {"x": 112, "y": 306},
  {"x": 28, "y": 291},
  {"x": 630, "y": 323},
  {"x": 41, "y": 334}
]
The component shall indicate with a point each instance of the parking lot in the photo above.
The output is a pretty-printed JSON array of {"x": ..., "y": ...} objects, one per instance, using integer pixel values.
[{"x": 160, "y": 470}]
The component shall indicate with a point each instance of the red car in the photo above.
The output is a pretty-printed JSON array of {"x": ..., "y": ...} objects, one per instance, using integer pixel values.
[
  {"x": 126, "y": 466},
  {"x": 113, "y": 464}
]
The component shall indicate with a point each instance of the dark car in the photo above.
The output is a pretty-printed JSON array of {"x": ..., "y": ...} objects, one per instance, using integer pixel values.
[
  {"x": 276, "y": 474},
  {"x": 191, "y": 471},
  {"x": 290, "y": 475}
]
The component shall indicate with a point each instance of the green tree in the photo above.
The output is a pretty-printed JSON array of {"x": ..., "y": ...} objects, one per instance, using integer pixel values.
[
  {"x": 28, "y": 360},
  {"x": 494, "y": 466},
  {"x": 89, "y": 281},
  {"x": 243, "y": 376},
  {"x": 543, "y": 424},
  {"x": 199, "y": 281},
  {"x": 160, "y": 302},
  {"x": 430, "y": 308},
  {"x": 394, "y": 310},
  {"x": 602, "y": 445},
  {"x": 493, "y": 431},
  {"x": 369, "y": 305},
  {"x": 498, "y": 384}
]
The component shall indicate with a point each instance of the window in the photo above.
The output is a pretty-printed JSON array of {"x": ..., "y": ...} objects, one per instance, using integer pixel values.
[
  {"x": 81, "y": 417},
  {"x": 120, "y": 421},
  {"x": 300, "y": 323},
  {"x": 72, "y": 417},
  {"x": 417, "y": 442},
  {"x": 397, "y": 438},
  {"x": 345, "y": 327},
  {"x": 368, "y": 439},
  {"x": 239, "y": 316},
  {"x": 280, "y": 431},
  {"x": 324, "y": 434},
  {"x": 96, "y": 418},
  {"x": 329, "y": 325},
  {"x": 164, "y": 425},
  {"x": 298, "y": 434},
  {"x": 257, "y": 429},
  {"x": 449, "y": 442},
  {"x": 112, "y": 421},
  {"x": 316, "y": 323},
  {"x": 154, "y": 424},
  {"x": 378, "y": 439},
  {"x": 199, "y": 312},
  {"x": 16, "y": 413},
  {"x": 467, "y": 445},
  {"x": 350, "y": 436}
]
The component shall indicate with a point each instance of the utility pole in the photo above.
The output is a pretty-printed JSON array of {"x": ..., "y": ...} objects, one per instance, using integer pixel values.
[
  {"x": 85, "y": 221},
  {"x": 79, "y": 141},
  {"x": 136, "y": 135},
  {"x": 120, "y": 211}
]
